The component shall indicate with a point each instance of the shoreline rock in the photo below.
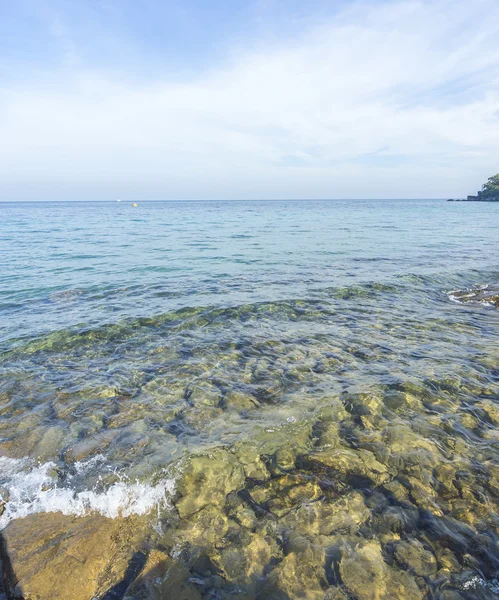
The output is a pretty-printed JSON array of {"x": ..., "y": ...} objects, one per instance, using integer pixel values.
[
  {"x": 488, "y": 193},
  {"x": 50, "y": 555}
]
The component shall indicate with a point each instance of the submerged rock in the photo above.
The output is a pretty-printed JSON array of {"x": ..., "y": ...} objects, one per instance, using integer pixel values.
[
  {"x": 364, "y": 571},
  {"x": 162, "y": 577},
  {"x": 414, "y": 556},
  {"x": 366, "y": 574},
  {"x": 207, "y": 479},
  {"x": 301, "y": 575},
  {"x": 90, "y": 445}
]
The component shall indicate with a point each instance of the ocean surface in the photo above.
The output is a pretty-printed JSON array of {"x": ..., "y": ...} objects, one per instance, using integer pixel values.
[{"x": 134, "y": 338}]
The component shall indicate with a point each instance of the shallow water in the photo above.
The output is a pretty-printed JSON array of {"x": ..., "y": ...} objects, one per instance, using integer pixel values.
[{"x": 315, "y": 347}]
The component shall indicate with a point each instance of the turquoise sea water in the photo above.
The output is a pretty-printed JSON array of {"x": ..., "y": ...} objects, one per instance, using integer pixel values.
[
  {"x": 87, "y": 264},
  {"x": 134, "y": 338}
]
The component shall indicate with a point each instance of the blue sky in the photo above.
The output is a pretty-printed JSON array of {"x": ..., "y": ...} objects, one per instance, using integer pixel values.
[{"x": 105, "y": 99}]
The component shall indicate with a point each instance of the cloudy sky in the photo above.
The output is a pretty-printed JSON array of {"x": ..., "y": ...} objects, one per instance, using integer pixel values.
[{"x": 226, "y": 99}]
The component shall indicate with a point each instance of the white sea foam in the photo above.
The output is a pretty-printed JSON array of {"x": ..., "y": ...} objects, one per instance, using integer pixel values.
[
  {"x": 34, "y": 489},
  {"x": 471, "y": 295}
]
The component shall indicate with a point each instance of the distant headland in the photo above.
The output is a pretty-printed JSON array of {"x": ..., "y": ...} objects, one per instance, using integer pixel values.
[{"x": 489, "y": 192}]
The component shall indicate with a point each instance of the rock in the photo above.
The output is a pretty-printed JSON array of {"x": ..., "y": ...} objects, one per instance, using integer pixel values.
[
  {"x": 396, "y": 519},
  {"x": 161, "y": 391},
  {"x": 50, "y": 444},
  {"x": 203, "y": 394},
  {"x": 244, "y": 562},
  {"x": 329, "y": 434},
  {"x": 205, "y": 527},
  {"x": 412, "y": 555},
  {"x": 480, "y": 294},
  {"x": 364, "y": 571},
  {"x": 286, "y": 498},
  {"x": 58, "y": 557},
  {"x": 162, "y": 577},
  {"x": 90, "y": 445},
  {"x": 491, "y": 410},
  {"x": 236, "y": 400},
  {"x": 360, "y": 465},
  {"x": 4, "y": 498},
  {"x": 301, "y": 575},
  {"x": 249, "y": 457},
  {"x": 323, "y": 518},
  {"x": 207, "y": 479}
]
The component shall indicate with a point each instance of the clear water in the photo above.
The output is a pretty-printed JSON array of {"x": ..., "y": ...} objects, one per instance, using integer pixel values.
[{"x": 134, "y": 338}]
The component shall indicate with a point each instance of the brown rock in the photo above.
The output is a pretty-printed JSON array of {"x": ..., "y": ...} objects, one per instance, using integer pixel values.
[
  {"x": 162, "y": 578},
  {"x": 58, "y": 557},
  {"x": 207, "y": 479}
]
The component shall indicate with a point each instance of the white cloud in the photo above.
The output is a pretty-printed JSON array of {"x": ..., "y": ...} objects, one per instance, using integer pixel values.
[{"x": 395, "y": 99}]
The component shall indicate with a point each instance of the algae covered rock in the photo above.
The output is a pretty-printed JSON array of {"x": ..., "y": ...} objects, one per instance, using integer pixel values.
[
  {"x": 207, "y": 479},
  {"x": 55, "y": 557}
]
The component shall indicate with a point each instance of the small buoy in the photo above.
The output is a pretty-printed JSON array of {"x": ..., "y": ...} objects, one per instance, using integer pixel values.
[{"x": 134, "y": 205}]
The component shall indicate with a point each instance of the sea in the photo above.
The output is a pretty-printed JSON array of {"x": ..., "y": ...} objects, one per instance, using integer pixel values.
[{"x": 133, "y": 338}]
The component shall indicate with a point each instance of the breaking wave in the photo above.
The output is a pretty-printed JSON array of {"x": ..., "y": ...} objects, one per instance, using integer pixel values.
[{"x": 33, "y": 488}]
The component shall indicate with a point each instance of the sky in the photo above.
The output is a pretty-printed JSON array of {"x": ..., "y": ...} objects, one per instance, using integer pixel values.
[{"x": 247, "y": 99}]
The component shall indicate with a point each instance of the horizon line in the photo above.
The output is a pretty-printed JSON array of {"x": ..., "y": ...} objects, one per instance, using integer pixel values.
[{"x": 226, "y": 200}]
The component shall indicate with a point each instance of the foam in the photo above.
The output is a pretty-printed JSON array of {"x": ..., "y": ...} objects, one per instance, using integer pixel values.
[
  {"x": 33, "y": 489},
  {"x": 471, "y": 297}
]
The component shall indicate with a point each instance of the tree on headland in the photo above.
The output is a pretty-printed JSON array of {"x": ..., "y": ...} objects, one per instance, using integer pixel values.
[{"x": 491, "y": 188}]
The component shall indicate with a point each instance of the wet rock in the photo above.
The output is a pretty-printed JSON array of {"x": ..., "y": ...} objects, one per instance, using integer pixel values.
[
  {"x": 292, "y": 434},
  {"x": 246, "y": 517},
  {"x": 360, "y": 467},
  {"x": 411, "y": 554},
  {"x": 332, "y": 411},
  {"x": 364, "y": 571},
  {"x": 291, "y": 496},
  {"x": 205, "y": 527},
  {"x": 90, "y": 445},
  {"x": 207, "y": 479},
  {"x": 50, "y": 444},
  {"x": 329, "y": 434},
  {"x": 479, "y": 294},
  {"x": 336, "y": 593},
  {"x": 403, "y": 586},
  {"x": 59, "y": 557},
  {"x": 324, "y": 518},
  {"x": 301, "y": 575},
  {"x": 446, "y": 476},
  {"x": 249, "y": 457},
  {"x": 203, "y": 394},
  {"x": 401, "y": 401},
  {"x": 236, "y": 400},
  {"x": 245, "y": 561},
  {"x": 163, "y": 577},
  {"x": 490, "y": 409},
  {"x": 446, "y": 558},
  {"x": 162, "y": 391},
  {"x": 396, "y": 519},
  {"x": 425, "y": 496},
  {"x": 4, "y": 498}
]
